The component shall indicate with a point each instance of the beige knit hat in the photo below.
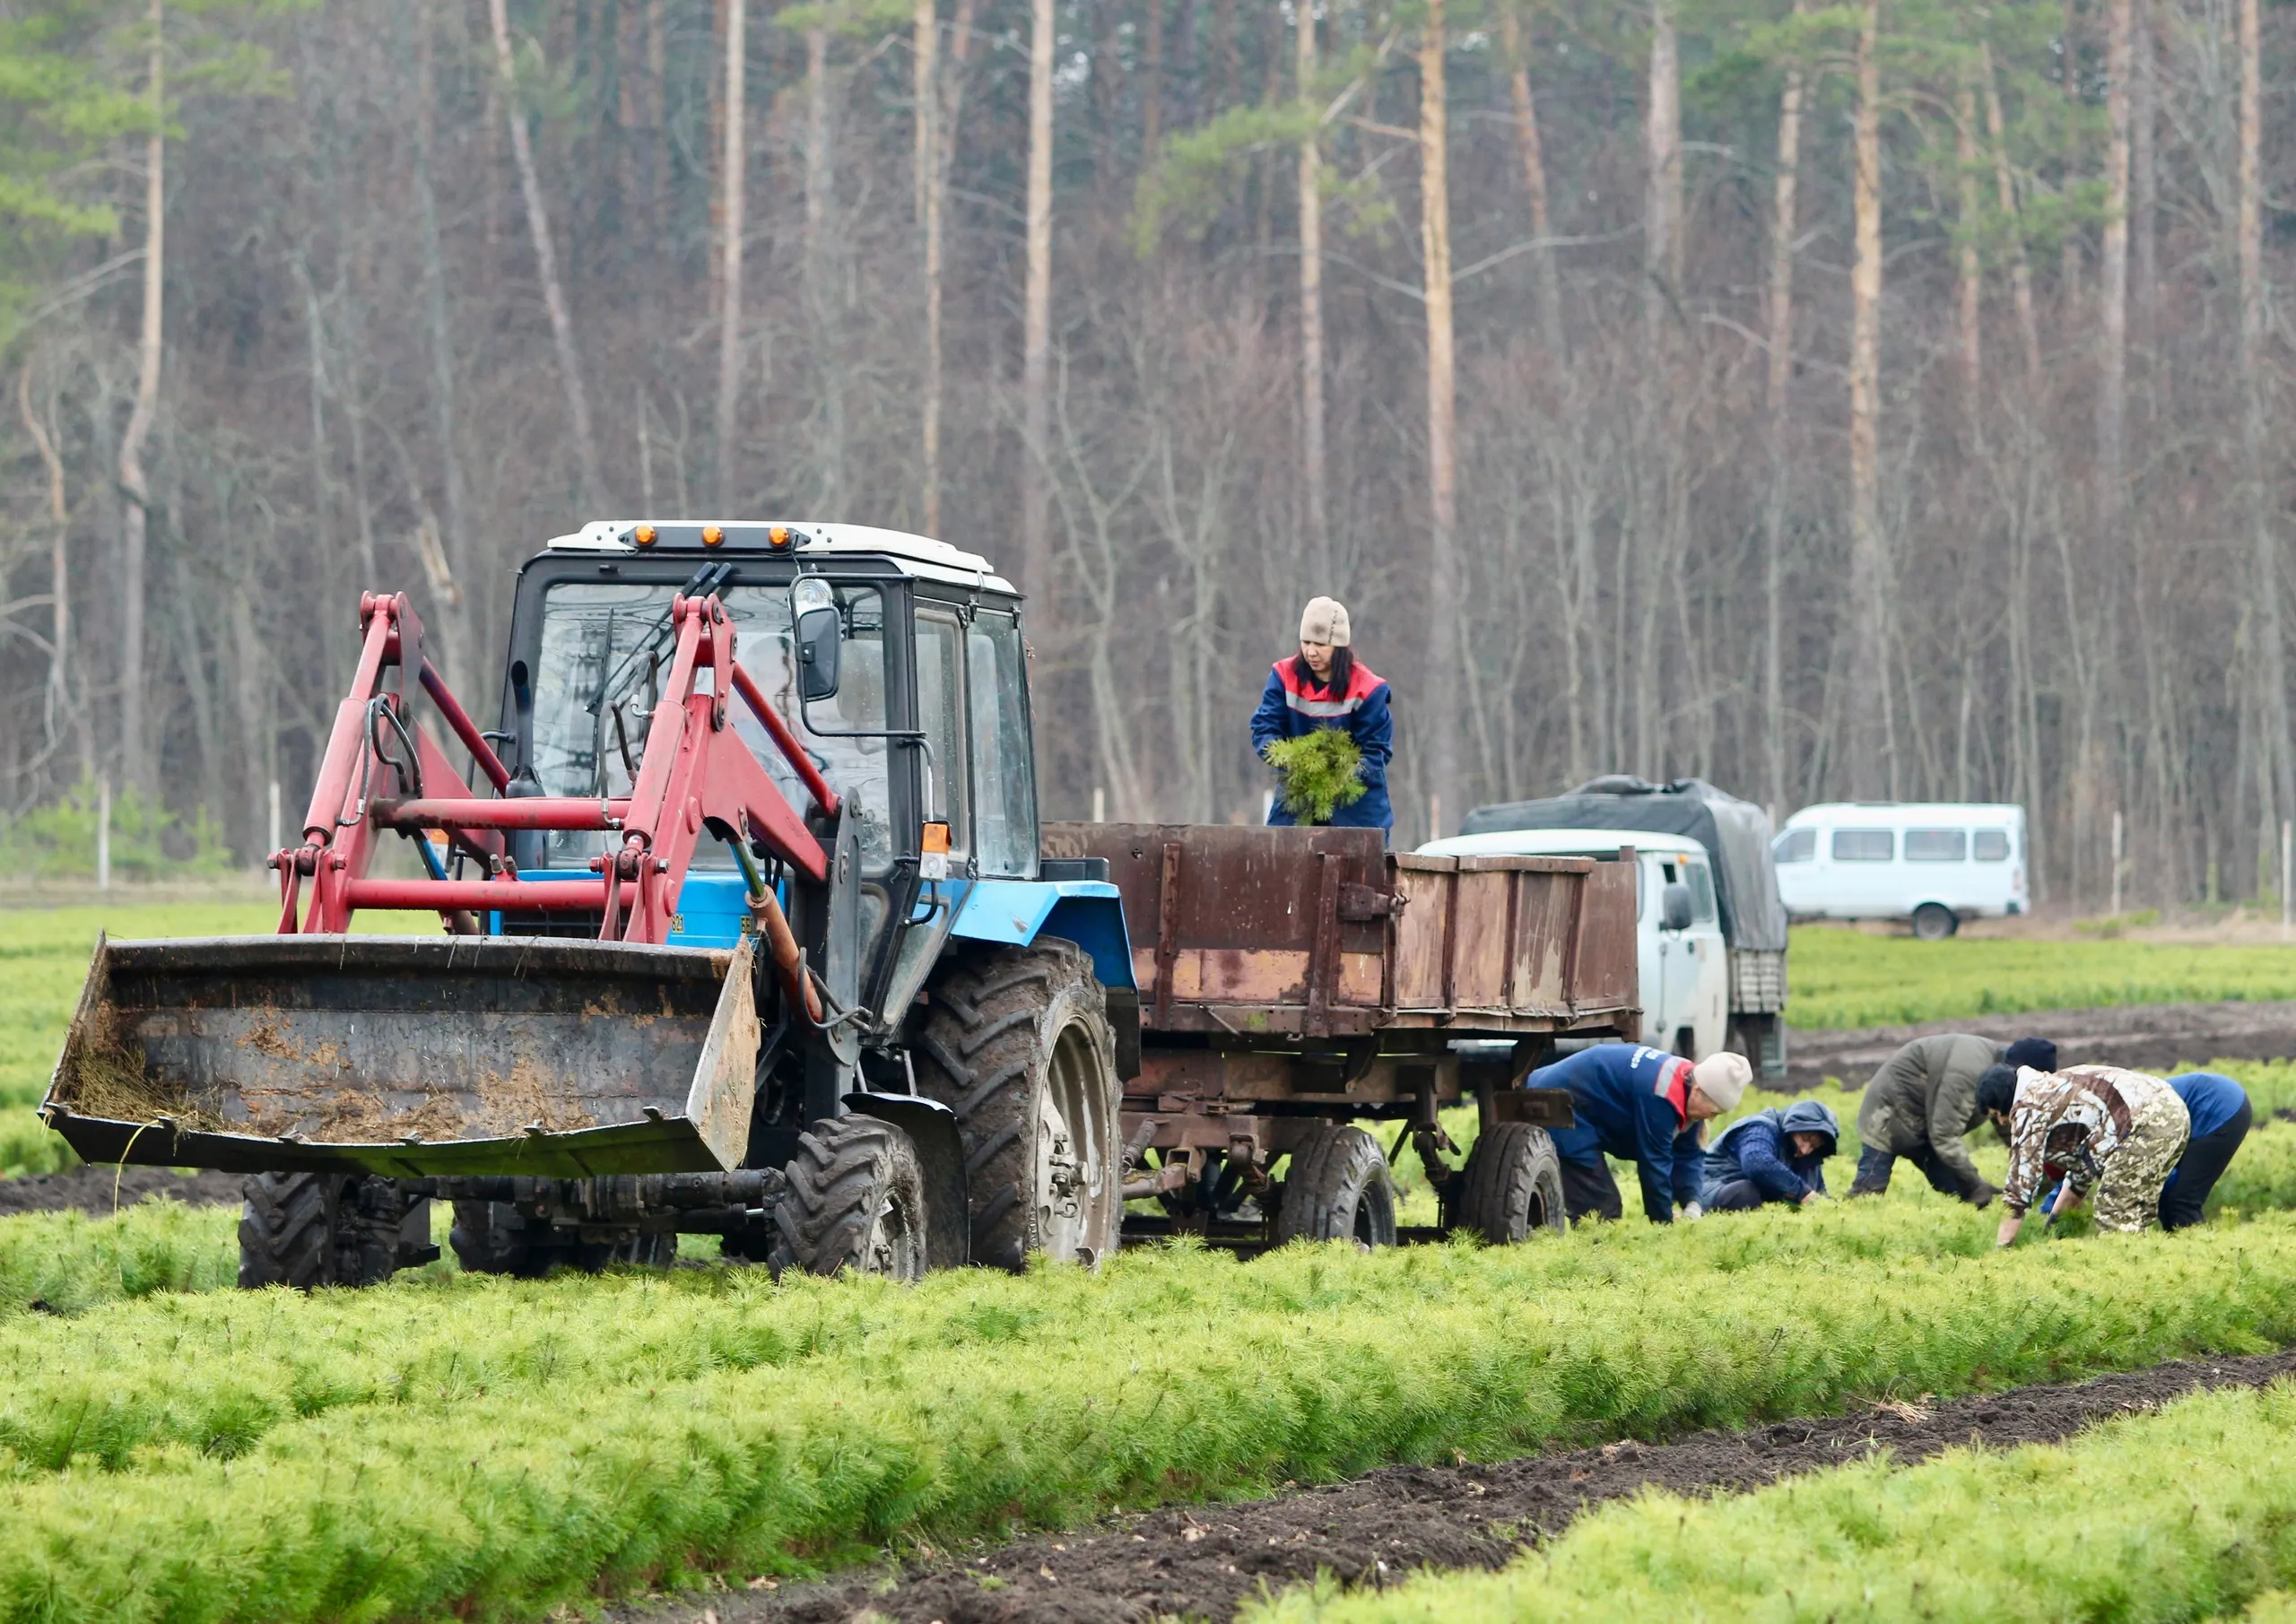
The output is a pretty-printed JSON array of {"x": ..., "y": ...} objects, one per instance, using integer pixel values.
[
  {"x": 1723, "y": 1079},
  {"x": 1325, "y": 620}
]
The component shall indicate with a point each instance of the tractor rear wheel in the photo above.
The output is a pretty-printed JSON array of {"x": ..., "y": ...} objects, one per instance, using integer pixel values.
[
  {"x": 494, "y": 1238},
  {"x": 1511, "y": 1187},
  {"x": 856, "y": 1200},
  {"x": 312, "y": 1230},
  {"x": 1338, "y": 1189},
  {"x": 1018, "y": 1044}
]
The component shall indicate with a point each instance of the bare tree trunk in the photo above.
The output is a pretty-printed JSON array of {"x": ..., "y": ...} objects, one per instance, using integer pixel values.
[
  {"x": 2021, "y": 270},
  {"x": 1151, "y": 80},
  {"x": 1970, "y": 276},
  {"x": 822, "y": 252},
  {"x": 554, "y": 291},
  {"x": 1311, "y": 303},
  {"x": 1036, "y": 342},
  {"x": 441, "y": 342},
  {"x": 135, "y": 766},
  {"x": 925, "y": 31},
  {"x": 1865, "y": 723},
  {"x": 2069, "y": 251},
  {"x": 1443, "y": 596},
  {"x": 1662, "y": 250},
  {"x": 2265, "y": 593},
  {"x": 1783, "y": 220},
  {"x": 2112, "y": 392},
  {"x": 1530, "y": 153},
  {"x": 2144, "y": 190},
  {"x": 57, "y": 709},
  {"x": 733, "y": 184}
]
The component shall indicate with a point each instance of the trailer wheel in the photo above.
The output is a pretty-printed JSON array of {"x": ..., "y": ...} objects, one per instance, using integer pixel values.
[
  {"x": 855, "y": 1201},
  {"x": 1511, "y": 1187},
  {"x": 1338, "y": 1189},
  {"x": 312, "y": 1230},
  {"x": 494, "y": 1238},
  {"x": 1018, "y": 1044}
]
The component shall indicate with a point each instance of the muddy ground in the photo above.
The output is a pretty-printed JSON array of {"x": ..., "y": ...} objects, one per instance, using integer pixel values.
[
  {"x": 1202, "y": 1561},
  {"x": 2145, "y": 1037},
  {"x": 91, "y": 1189}
]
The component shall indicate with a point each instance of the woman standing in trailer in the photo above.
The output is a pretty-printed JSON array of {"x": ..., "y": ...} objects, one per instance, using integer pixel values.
[{"x": 1324, "y": 685}]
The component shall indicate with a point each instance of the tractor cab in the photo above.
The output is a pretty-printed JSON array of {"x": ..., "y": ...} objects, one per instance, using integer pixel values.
[{"x": 896, "y": 661}]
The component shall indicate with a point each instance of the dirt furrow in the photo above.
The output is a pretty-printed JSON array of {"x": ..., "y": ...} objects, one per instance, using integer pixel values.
[
  {"x": 97, "y": 1189},
  {"x": 1202, "y": 1561}
]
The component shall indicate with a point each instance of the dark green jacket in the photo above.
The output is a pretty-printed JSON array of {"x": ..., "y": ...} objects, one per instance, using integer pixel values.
[{"x": 1925, "y": 1096}]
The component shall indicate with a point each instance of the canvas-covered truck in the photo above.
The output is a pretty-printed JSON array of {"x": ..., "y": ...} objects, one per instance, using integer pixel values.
[
  {"x": 747, "y": 927},
  {"x": 1736, "y": 835}
]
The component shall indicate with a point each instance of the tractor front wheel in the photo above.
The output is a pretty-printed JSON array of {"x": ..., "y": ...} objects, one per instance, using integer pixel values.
[
  {"x": 856, "y": 1200},
  {"x": 1018, "y": 1044},
  {"x": 312, "y": 1230}
]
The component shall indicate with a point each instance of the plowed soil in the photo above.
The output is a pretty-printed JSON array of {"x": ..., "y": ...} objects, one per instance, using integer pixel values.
[
  {"x": 2145, "y": 1037},
  {"x": 1202, "y": 1561},
  {"x": 91, "y": 1189}
]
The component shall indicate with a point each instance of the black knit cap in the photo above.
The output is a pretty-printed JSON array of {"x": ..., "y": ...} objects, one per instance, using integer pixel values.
[{"x": 2038, "y": 1053}]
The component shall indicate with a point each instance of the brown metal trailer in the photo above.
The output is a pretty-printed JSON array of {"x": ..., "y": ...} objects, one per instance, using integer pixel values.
[{"x": 1293, "y": 982}]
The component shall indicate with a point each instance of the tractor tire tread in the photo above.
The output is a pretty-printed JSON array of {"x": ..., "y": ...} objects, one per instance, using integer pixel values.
[
  {"x": 1332, "y": 1176},
  {"x": 978, "y": 1053},
  {"x": 823, "y": 1220}
]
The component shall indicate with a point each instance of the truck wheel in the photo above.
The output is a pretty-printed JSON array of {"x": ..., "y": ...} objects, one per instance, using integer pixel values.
[
  {"x": 1511, "y": 1187},
  {"x": 494, "y": 1238},
  {"x": 312, "y": 1230},
  {"x": 855, "y": 1201},
  {"x": 1018, "y": 1044},
  {"x": 1934, "y": 922},
  {"x": 1338, "y": 1189}
]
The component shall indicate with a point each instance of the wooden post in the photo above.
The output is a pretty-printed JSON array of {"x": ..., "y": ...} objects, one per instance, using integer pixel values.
[
  {"x": 2117, "y": 864},
  {"x": 272, "y": 828},
  {"x": 103, "y": 833},
  {"x": 2287, "y": 873},
  {"x": 1099, "y": 805}
]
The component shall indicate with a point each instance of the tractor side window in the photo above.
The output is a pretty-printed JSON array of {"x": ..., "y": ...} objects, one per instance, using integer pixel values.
[
  {"x": 940, "y": 713},
  {"x": 1005, "y": 808}
]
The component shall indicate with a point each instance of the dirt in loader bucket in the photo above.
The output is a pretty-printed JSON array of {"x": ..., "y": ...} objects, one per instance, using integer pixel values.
[{"x": 410, "y": 1056}]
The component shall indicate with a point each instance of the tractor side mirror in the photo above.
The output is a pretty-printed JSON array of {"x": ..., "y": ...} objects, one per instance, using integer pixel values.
[
  {"x": 1674, "y": 907},
  {"x": 819, "y": 641}
]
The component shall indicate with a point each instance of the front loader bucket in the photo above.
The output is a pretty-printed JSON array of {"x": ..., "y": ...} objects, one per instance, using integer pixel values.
[{"x": 411, "y": 1056}]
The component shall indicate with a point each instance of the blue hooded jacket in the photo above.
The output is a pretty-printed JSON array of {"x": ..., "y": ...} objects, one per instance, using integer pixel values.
[
  {"x": 1291, "y": 709},
  {"x": 2211, "y": 1098},
  {"x": 1756, "y": 1148},
  {"x": 1621, "y": 1091}
]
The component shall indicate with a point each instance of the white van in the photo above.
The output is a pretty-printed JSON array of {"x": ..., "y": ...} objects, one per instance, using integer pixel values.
[
  {"x": 1936, "y": 864},
  {"x": 1683, "y": 961}
]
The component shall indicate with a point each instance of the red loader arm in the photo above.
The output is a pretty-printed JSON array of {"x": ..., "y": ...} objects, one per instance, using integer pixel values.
[{"x": 381, "y": 772}]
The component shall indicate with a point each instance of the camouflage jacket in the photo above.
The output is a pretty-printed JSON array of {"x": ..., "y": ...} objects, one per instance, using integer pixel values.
[{"x": 2073, "y": 1120}]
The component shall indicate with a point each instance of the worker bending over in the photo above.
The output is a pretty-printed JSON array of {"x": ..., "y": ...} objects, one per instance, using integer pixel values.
[
  {"x": 2101, "y": 1129},
  {"x": 2220, "y": 1117},
  {"x": 1921, "y": 1103},
  {"x": 1640, "y": 1105},
  {"x": 1775, "y": 1155}
]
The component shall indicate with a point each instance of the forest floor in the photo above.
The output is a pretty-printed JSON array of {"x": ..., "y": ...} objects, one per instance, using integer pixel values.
[
  {"x": 1206, "y": 1560},
  {"x": 2145, "y": 1037}
]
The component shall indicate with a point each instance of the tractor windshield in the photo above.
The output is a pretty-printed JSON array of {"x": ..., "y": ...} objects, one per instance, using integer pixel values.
[{"x": 605, "y": 655}]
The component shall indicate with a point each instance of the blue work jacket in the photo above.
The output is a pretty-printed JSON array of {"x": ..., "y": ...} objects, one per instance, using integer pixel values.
[
  {"x": 1623, "y": 1095},
  {"x": 1292, "y": 706}
]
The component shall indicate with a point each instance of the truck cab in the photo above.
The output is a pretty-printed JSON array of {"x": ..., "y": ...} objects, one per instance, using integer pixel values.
[{"x": 1680, "y": 953}]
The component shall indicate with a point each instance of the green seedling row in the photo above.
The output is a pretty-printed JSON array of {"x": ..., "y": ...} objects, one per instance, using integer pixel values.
[
  {"x": 498, "y": 1448},
  {"x": 2187, "y": 1513},
  {"x": 1846, "y": 978}
]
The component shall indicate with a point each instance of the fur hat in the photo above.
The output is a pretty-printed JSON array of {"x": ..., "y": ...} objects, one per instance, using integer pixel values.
[
  {"x": 1723, "y": 1079},
  {"x": 1325, "y": 620}
]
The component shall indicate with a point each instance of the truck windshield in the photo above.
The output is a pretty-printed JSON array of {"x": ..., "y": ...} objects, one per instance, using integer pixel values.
[{"x": 605, "y": 654}]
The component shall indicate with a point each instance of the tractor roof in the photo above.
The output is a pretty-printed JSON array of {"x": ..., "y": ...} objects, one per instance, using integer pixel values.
[{"x": 915, "y": 555}]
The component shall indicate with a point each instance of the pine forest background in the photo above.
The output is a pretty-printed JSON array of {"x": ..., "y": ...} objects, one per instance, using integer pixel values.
[{"x": 1881, "y": 399}]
